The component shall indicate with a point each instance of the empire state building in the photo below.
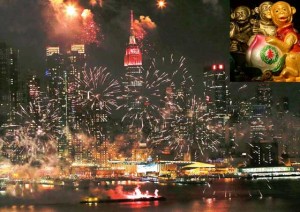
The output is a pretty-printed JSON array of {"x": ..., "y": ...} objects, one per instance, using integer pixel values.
[{"x": 133, "y": 81}]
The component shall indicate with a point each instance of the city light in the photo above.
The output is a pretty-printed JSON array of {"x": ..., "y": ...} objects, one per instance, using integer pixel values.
[{"x": 217, "y": 67}]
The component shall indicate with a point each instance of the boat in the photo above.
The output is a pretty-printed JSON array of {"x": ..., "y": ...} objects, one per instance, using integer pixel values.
[
  {"x": 91, "y": 200},
  {"x": 136, "y": 196}
]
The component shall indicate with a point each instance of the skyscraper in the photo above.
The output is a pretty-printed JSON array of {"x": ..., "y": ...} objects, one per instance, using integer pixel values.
[
  {"x": 9, "y": 86},
  {"x": 133, "y": 81},
  {"x": 217, "y": 99},
  {"x": 263, "y": 145},
  {"x": 216, "y": 89},
  {"x": 76, "y": 62},
  {"x": 264, "y": 97},
  {"x": 56, "y": 76}
]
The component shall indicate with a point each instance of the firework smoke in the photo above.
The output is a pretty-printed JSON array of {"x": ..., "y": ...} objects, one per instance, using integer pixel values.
[
  {"x": 72, "y": 23},
  {"x": 96, "y": 2},
  {"x": 142, "y": 26}
]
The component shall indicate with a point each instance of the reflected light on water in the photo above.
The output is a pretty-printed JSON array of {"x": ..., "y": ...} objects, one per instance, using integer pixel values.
[
  {"x": 209, "y": 201},
  {"x": 228, "y": 180},
  {"x": 136, "y": 205}
]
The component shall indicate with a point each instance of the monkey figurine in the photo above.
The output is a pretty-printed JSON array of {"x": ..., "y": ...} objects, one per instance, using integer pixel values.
[
  {"x": 264, "y": 25},
  {"x": 287, "y": 40},
  {"x": 240, "y": 29}
]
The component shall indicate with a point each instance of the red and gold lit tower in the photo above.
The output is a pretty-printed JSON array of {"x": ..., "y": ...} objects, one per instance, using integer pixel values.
[
  {"x": 133, "y": 81},
  {"x": 133, "y": 54}
]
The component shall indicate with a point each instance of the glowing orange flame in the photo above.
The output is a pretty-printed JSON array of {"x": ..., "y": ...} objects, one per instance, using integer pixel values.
[{"x": 161, "y": 4}]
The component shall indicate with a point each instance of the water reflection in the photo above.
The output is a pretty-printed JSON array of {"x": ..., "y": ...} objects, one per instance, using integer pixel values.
[{"x": 218, "y": 195}]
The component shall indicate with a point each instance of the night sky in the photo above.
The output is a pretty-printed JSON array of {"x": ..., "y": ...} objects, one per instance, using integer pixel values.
[{"x": 196, "y": 29}]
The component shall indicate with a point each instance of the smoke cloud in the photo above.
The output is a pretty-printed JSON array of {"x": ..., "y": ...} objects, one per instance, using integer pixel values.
[{"x": 142, "y": 26}]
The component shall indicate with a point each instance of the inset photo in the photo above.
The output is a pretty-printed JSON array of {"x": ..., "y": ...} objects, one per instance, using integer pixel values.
[{"x": 264, "y": 41}]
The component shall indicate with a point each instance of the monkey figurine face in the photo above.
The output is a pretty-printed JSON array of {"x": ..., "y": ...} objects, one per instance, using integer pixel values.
[
  {"x": 241, "y": 14},
  {"x": 264, "y": 9},
  {"x": 282, "y": 13}
]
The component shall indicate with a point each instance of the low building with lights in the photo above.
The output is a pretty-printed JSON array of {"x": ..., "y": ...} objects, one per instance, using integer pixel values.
[{"x": 268, "y": 172}]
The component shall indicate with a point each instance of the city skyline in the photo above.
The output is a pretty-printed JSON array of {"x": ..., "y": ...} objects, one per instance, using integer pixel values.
[
  {"x": 177, "y": 28},
  {"x": 129, "y": 102}
]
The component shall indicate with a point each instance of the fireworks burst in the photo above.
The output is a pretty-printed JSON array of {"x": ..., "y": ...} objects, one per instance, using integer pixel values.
[
  {"x": 146, "y": 111},
  {"x": 37, "y": 138},
  {"x": 73, "y": 23},
  {"x": 41, "y": 119},
  {"x": 161, "y": 4},
  {"x": 98, "y": 90},
  {"x": 177, "y": 112},
  {"x": 71, "y": 10}
]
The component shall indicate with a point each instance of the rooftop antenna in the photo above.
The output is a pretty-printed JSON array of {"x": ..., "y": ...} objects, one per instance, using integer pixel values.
[{"x": 131, "y": 22}]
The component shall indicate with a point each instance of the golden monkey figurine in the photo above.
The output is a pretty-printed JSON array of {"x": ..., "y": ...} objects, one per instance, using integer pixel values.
[
  {"x": 264, "y": 25},
  {"x": 287, "y": 40},
  {"x": 240, "y": 29}
]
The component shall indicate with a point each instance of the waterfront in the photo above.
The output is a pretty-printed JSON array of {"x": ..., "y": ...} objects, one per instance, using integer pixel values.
[{"x": 218, "y": 195}]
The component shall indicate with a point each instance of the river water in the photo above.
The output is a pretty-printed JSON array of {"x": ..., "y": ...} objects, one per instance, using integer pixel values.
[{"x": 219, "y": 195}]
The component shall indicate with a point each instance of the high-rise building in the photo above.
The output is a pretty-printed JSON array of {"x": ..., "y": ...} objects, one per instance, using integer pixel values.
[
  {"x": 264, "y": 97},
  {"x": 217, "y": 99},
  {"x": 9, "y": 85},
  {"x": 56, "y": 76},
  {"x": 133, "y": 81},
  {"x": 76, "y": 62},
  {"x": 67, "y": 73},
  {"x": 260, "y": 124},
  {"x": 263, "y": 143},
  {"x": 216, "y": 89}
]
